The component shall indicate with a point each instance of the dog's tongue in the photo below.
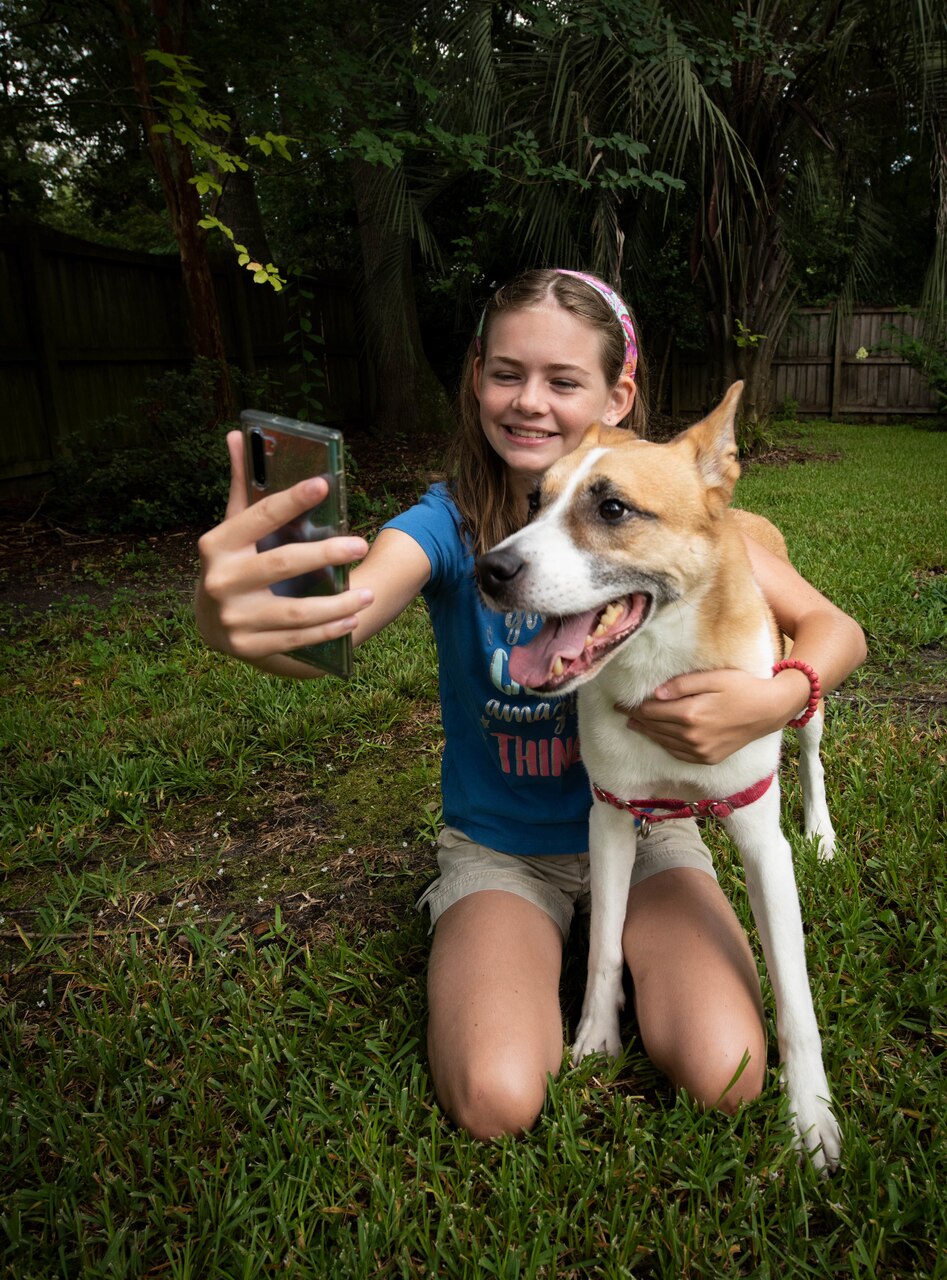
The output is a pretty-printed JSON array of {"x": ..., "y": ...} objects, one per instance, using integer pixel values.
[{"x": 531, "y": 664}]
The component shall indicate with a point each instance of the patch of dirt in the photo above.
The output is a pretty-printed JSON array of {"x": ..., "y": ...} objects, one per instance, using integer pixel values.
[
  {"x": 785, "y": 454},
  {"x": 283, "y": 871},
  {"x": 42, "y": 564}
]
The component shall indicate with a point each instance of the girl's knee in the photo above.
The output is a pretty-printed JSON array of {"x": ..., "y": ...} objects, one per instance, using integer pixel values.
[
  {"x": 729, "y": 1082},
  {"x": 720, "y": 1062},
  {"x": 495, "y": 1098},
  {"x": 722, "y": 1077}
]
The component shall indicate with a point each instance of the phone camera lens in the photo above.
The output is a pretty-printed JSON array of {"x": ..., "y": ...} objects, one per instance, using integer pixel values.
[{"x": 258, "y": 457}]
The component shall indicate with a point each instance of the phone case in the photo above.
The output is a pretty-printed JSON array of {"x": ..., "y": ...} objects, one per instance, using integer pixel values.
[{"x": 279, "y": 452}]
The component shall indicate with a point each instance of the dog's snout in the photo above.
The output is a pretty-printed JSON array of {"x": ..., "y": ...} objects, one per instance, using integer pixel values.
[{"x": 497, "y": 569}]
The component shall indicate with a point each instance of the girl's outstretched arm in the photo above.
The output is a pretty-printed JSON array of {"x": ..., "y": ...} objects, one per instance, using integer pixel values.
[{"x": 706, "y": 716}]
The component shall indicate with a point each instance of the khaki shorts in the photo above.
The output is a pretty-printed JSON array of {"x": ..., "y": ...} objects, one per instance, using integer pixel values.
[{"x": 558, "y": 883}]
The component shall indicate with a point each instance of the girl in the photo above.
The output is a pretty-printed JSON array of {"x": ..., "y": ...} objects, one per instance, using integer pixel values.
[{"x": 556, "y": 350}]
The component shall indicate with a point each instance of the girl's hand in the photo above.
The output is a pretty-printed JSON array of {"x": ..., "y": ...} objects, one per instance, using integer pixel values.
[
  {"x": 236, "y": 611},
  {"x": 706, "y": 716}
]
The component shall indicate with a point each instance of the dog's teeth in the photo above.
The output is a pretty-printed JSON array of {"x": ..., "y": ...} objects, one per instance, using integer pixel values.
[{"x": 557, "y": 667}]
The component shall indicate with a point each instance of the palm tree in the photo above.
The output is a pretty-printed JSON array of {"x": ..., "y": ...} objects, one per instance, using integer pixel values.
[{"x": 740, "y": 105}]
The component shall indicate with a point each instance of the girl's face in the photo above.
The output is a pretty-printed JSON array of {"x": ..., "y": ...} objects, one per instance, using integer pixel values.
[{"x": 540, "y": 384}]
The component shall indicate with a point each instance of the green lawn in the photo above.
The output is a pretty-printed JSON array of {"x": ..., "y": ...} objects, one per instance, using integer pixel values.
[{"x": 212, "y": 1028}]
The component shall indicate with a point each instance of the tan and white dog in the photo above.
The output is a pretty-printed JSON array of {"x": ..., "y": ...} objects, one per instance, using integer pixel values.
[{"x": 638, "y": 565}]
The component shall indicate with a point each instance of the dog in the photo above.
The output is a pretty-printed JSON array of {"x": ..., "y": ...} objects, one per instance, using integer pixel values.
[{"x": 636, "y": 561}]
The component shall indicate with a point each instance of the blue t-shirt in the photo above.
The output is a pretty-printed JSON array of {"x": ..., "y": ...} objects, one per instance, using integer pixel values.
[{"x": 511, "y": 777}]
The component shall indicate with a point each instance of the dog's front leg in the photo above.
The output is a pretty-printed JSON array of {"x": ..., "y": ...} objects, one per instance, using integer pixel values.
[
  {"x": 611, "y": 859},
  {"x": 818, "y": 824},
  {"x": 771, "y": 886}
]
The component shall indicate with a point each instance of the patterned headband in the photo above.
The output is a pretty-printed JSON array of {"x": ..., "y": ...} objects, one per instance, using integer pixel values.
[{"x": 615, "y": 303}]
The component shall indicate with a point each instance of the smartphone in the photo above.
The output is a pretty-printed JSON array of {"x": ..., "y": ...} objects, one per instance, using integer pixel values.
[{"x": 279, "y": 452}]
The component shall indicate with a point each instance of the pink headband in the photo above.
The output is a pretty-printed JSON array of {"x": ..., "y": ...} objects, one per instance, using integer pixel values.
[{"x": 615, "y": 303}]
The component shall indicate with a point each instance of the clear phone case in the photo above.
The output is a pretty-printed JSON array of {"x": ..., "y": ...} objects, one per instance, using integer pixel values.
[{"x": 279, "y": 452}]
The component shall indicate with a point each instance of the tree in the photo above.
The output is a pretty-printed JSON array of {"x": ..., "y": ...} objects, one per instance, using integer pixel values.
[
  {"x": 69, "y": 94},
  {"x": 762, "y": 114},
  {"x": 807, "y": 91},
  {"x": 173, "y": 165}
]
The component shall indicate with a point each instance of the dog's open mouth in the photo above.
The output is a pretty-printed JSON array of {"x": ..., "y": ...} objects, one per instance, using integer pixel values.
[{"x": 567, "y": 649}]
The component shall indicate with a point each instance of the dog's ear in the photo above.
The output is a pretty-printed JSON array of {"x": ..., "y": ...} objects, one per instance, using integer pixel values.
[
  {"x": 593, "y": 433},
  {"x": 714, "y": 444}
]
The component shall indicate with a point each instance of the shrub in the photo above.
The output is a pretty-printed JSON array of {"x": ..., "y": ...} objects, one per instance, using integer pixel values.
[
  {"x": 929, "y": 358},
  {"x": 176, "y": 474}
]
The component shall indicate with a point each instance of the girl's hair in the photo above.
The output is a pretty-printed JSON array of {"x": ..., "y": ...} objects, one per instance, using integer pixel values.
[{"x": 477, "y": 475}]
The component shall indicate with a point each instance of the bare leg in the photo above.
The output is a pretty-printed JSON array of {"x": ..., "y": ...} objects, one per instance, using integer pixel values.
[
  {"x": 697, "y": 991},
  {"x": 495, "y": 1028}
]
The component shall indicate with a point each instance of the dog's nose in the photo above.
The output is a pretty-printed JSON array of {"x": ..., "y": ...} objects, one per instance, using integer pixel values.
[{"x": 497, "y": 569}]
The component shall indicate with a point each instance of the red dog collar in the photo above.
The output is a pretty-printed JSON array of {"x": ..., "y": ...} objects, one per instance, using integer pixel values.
[{"x": 645, "y": 809}]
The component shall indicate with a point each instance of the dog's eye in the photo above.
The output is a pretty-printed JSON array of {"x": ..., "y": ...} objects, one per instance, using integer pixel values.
[
  {"x": 611, "y": 510},
  {"x": 533, "y": 501}
]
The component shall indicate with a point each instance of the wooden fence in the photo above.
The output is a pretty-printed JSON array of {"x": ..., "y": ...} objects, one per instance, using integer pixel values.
[
  {"x": 827, "y": 366},
  {"x": 846, "y": 369},
  {"x": 84, "y": 328}
]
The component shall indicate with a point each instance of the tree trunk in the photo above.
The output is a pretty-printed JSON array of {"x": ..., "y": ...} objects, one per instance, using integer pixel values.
[
  {"x": 172, "y": 162},
  {"x": 239, "y": 209},
  {"x": 406, "y": 392},
  {"x": 746, "y": 272}
]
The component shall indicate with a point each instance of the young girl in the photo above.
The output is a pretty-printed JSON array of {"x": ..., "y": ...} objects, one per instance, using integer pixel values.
[{"x": 556, "y": 350}]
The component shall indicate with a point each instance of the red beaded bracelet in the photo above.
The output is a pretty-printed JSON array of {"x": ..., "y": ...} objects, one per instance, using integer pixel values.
[{"x": 815, "y": 689}]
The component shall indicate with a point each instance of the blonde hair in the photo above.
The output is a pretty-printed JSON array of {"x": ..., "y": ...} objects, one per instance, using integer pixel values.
[{"x": 478, "y": 478}]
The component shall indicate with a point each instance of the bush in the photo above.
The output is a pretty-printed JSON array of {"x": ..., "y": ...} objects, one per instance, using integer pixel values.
[
  {"x": 178, "y": 473},
  {"x": 929, "y": 358}
]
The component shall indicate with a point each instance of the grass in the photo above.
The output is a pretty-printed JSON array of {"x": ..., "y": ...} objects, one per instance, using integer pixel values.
[{"x": 211, "y": 1033}]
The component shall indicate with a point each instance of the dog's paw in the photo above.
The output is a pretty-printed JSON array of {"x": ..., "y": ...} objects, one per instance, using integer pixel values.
[
  {"x": 826, "y": 842},
  {"x": 598, "y": 1027},
  {"x": 818, "y": 827},
  {"x": 816, "y": 1132},
  {"x": 597, "y": 1035}
]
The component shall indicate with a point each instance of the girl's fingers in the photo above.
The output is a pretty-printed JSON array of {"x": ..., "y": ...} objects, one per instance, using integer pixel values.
[
  {"x": 237, "y": 499},
  {"x": 266, "y": 568},
  {"x": 237, "y": 610},
  {"x": 262, "y": 624},
  {"x": 245, "y": 524}
]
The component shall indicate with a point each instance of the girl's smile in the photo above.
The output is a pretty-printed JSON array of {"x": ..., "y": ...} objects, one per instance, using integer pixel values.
[{"x": 540, "y": 383}]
